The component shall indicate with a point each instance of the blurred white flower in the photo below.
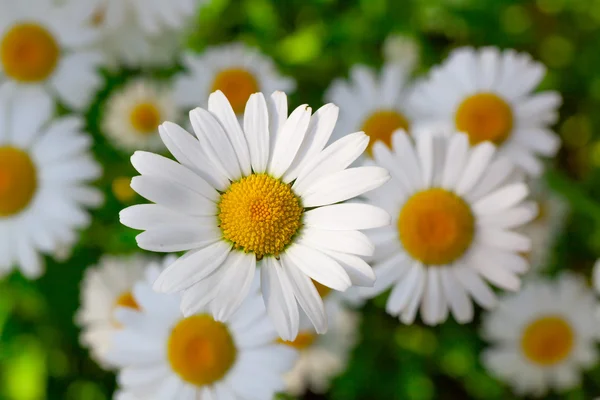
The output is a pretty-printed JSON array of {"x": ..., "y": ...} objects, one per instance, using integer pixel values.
[
  {"x": 164, "y": 355},
  {"x": 105, "y": 287},
  {"x": 487, "y": 94},
  {"x": 264, "y": 195},
  {"x": 376, "y": 105},
  {"x": 454, "y": 211},
  {"x": 133, "y": 113},
  {"x": 323, "y": 357},
  {"x": 45, "y": 45},
  {"x": 543, "y": 337},
  {"x": 45, "y": 170},
  {"x": 235, "y": 69},
  {"x": 402, "y": 50}
]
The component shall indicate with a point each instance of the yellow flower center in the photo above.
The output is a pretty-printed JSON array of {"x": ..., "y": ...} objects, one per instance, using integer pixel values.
[
  {"x": 322, "y": 289},
  {"x": 302, "y": 341},
  {"x": 145, "y": 118},
  {"x": 121, "y": 188},
  {"x": 29, "y": 52},
  {"x": 381, "y": 124},
  {"x": 126, "y": 300},
  {"x": 18, "y": 180},
  {"x": 201, "y": 350},
  {"x": 547, "y": 340},
  {"x": 259, "y": 214},
  {"x": 436, "y": 226},
  {"x": 99, "y": 16},
  {"x": 237, "y": 85},
  {"x": 485, "y": 116}
]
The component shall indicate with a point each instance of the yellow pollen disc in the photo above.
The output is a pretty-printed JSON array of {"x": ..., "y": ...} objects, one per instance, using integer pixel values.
[
  {"x": 302, "y": 341},
  {"x": 485, "y": 116},
  {"x": 259, "y": 214},
  {"x": 381, "y": 124},
  {"x": 322, "y": 289},
  {"x": 18, "y": 180},
  {"x": 126, "y": 300},
  {"x": 99, "y": 16},
  {"x": 121, "y": 188},
  {"x": 201, "y": 350},
  {"x": 547, "y": 340},
  {"x": 237, "y": 85},
  {"x": 436, "y": 226},
  {"x": 29, "y": 52},
  {"x": 145, "y": 118}
]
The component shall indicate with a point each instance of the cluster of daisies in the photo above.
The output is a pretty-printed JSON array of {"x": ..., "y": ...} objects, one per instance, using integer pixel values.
[{"x": 262, "y": 208}]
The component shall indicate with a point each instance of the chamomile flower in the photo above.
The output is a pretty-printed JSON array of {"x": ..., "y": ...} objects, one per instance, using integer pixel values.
[
  {"x": 165, "y": 355},
  {"x": 454, "y": 208},
  {"x": 264, "y": 195},
  {"x": 45, "y": 170},
  {"x": 543, "y": 230},
  {"x": 235, "y": 69},
  {"x": 322, "y": 357},
  {"x": 46, "y": 45},
  {"x": 104, "y": 288},
  {"x": 488, "y": 95},
  {"x": 543, "y": 337},
  {"x": 133, "y": 114},
  {"x": 376, "y": 105}
]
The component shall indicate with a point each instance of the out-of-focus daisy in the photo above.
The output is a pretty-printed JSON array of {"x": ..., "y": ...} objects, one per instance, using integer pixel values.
[
  {"x": 543, "y": 336},
  {"x": 454, "y": 209},
  {"x": 403, "y": 50},
  {"x": 235, "y": 69},
  {"x": 46, "y": 45},
  {"x": 322, "y": 357},
  {"x": 133, "y": 114},
  {"x": 262, "y": 195},
  {"x": 543, "y": 230},
  {"x": 488, "y": 95},
  {"x": 104, "y": 288},
  {"x": 45, "y": 170},
  {"x": 376, "y": 105},
  {"x": 164, "y": 355},
  {"x": 596, "y": 276}
]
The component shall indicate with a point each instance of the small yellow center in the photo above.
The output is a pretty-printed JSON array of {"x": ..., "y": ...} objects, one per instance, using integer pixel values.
[
  {"x": 237, "y": 85},
  {"x": 99, "y": 16},
  {"x": 145, "y": 118},
  {"x": 29, "y": 52},
  {"x": 322, "y": 289},
  {"x": 18, "y": 180},
  {"x": 436, "y": 226},
  {"x": 381, "y": 124},
  {"x": 547, "y": 340},
  {"x": 259, "y": 214},
  {"x": 126, "y": 300},
  {"x": 121, "y": 188},
  {"x": 302, "y": 341},
  {"x": 485, "y": 116},
  {"x": 201, "y": 350}
]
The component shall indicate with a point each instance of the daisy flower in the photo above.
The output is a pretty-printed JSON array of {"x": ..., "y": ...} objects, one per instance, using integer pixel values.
[
  {"x": 543, "y": 337},
  {"x": 322, "y": 357},
  {"x": 45, "y": 45},
  {"x": 45, "y": 170},
  {"x": 544, "y": 229},
  {"x": 264, "y": 195},
  {"x": 235, "y": 69},
  {"x": 488, "y": 95},
  {"x": 133, "y": 113},
  {"x": 401, "y": 49},
  {"x": 104, "y": 288},
  {"x": 165, "y": 355},
  {"x": 377, "y": 105},
  {"x": 454, "y": 208}
]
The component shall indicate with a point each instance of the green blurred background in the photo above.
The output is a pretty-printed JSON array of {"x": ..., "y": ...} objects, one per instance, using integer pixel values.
[{"x": 316, "y": 41}]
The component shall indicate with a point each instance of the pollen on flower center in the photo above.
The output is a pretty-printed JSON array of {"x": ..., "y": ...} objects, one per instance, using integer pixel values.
[
  {"x": 127, "y": 300},
  {"x": 259, "y": 214},
  {"x": 237, "y": 84},
  {"x": 436, "y": 226},
  {"x": 547, "y": 340},
  {"x": 29, "y": 52},
  {"x": 201, "y": 350},
  {"x": 18, "y": 180},
  {"x": 145, "y": 118},
  {"x": 381, "y": 124},
  {"x": 302, "y": 341},
  {"x": 485, "y": 116}
]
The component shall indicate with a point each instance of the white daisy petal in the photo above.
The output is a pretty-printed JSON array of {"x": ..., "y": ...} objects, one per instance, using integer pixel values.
[
  {"x": 235, "y": 283},
  {"x": 459, "y": 302},
  {"x": 479, "y": 159},
  {"x": 279, "y": 299},
  {"x": 352, "y": 242},
  {"x": 349, "y": 216},
  {"x": 501, "y": 199},
  {"x": 181, "y": 237},
  {"x": 256, "y": 127},
  {"x": 319, "y": 267},
  {"x": 289, "y": 140}
]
